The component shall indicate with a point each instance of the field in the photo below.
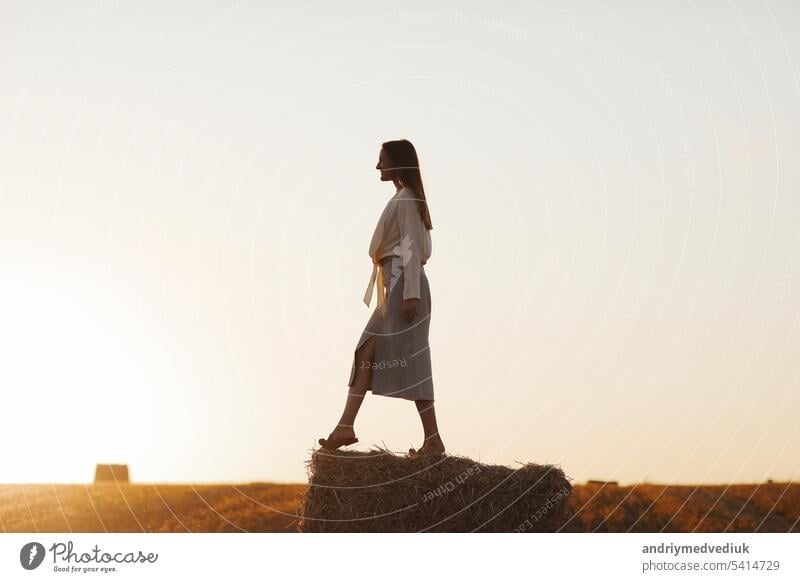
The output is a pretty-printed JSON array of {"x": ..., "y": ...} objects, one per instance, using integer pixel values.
[
  {"x": 257, "y": 507},
  {"x": 269, "y": 507}
]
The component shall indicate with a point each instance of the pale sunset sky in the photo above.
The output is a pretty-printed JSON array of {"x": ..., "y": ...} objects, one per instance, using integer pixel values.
[{"x": 188, "y": 190}]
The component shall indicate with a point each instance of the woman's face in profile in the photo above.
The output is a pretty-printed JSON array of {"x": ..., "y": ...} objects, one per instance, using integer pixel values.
[{"x": 385, "y": 165}]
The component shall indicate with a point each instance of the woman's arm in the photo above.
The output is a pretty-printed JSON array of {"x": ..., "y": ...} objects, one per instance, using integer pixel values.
[{"x": 410, "y": 224}]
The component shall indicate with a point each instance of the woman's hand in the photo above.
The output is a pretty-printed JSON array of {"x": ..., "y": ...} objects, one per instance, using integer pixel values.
[{"x": 410, "y": 308}]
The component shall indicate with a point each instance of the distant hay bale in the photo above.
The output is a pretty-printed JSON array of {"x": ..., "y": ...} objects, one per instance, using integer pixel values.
[
  {"x": 378, "y": 491},
  {"x": 599, "y": 482},
  {"x": 110, "y": 473}
]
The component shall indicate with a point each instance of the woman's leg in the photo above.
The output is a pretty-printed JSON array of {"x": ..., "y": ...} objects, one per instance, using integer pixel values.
[
  {"x": 433, "y": 441},
  {"x": 363, "y": 377}
]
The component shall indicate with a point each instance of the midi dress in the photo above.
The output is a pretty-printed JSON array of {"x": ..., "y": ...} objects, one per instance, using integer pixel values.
[{"x": 400, "y": 247}]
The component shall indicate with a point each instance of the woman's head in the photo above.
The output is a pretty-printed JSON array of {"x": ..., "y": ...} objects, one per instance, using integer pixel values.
[{"x": 398, "y": 161}]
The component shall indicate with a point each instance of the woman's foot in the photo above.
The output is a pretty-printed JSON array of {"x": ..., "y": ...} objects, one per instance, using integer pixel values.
[
  {"x": 340, "y": 437},
  {"x": 431, "y": 446}
]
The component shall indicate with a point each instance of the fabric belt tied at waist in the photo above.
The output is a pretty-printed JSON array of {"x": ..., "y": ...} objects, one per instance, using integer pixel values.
[{"x": 377, "y": 278}]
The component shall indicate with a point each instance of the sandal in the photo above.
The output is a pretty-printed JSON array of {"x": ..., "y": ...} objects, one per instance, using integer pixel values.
[
  {"x": 333, "y": 444},
  {"x": 413, "y": 453}
]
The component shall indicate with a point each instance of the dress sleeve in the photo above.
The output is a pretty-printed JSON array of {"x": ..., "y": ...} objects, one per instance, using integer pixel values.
[{"x": 410, "y": 224}]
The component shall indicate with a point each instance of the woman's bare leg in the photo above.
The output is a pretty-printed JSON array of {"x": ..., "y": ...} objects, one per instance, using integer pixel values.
[
  {"x": 433, "y": 441},
  {"x": 361, "y": 382}
]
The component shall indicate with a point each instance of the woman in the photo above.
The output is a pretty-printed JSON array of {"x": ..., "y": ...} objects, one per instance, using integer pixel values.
[{"x": 393, "y": 358}]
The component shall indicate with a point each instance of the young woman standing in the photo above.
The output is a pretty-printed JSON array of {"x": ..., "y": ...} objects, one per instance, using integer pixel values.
[{"x": 392, "y": 357}]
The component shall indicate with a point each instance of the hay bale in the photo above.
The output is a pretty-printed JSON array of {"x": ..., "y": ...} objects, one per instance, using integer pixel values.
[
  {"x": 378, "y": 491},
  {"x": 110, "y": 473},
  {"x": 599, "y": 482}
]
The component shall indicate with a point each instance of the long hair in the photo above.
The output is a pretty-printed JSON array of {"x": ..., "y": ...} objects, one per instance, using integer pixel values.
[{"x": 406, "y": 165}]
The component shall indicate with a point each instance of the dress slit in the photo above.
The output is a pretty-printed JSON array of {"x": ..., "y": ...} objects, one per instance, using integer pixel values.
[{"x": 361, "y": 343}]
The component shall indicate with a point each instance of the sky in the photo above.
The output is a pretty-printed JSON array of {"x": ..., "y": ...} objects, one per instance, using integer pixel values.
[{"x": 188, "y": 191}]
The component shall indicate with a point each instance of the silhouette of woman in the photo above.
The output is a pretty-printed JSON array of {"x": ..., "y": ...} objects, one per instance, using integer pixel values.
[{"x": 392, "y": 357}]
